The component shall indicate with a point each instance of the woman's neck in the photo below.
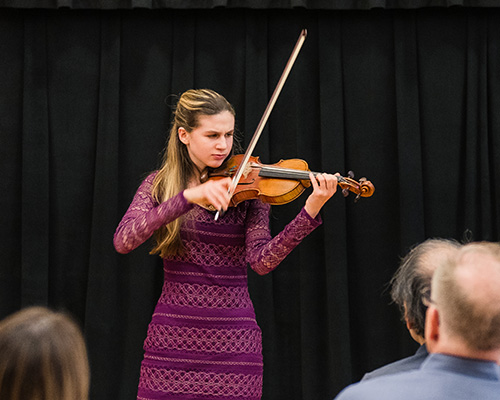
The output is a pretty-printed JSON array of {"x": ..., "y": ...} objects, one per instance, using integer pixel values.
[{"x": 195, "y": 179}]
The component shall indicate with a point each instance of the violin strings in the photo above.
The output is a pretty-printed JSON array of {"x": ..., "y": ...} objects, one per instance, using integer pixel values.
[
  {"x": 287, "y": 173},
  {"x": 283, "y": 173}
]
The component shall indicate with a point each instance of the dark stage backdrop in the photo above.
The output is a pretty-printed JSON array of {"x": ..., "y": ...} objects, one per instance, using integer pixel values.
[{"x": 407, "y": 98}]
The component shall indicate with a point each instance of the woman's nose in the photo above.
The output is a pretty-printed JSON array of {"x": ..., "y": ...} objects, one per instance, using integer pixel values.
[{"x": 221, "y": 143}]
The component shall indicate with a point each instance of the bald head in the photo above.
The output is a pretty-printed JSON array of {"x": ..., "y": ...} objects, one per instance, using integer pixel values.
[{"x": 466, "y": 290}]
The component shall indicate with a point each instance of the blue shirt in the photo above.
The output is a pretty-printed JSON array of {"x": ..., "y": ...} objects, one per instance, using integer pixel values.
[
  {"x": 405, "y": 364},
  {"x": 441, "y": 377}
]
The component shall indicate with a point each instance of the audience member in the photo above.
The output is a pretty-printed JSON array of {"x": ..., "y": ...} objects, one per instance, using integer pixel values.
[
  {"x": 462, "y": 333},
  {"x": 410, "y": 285},
  {"x": 43, "y": 357}
]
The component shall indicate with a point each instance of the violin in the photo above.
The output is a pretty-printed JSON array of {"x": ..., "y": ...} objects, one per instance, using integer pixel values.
[{"x": 278, "y": 183}]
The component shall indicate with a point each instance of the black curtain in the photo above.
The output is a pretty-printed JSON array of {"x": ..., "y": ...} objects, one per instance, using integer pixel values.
[
  {"x": 248, "y": 4},
  {"x": 407, "y": 98}
]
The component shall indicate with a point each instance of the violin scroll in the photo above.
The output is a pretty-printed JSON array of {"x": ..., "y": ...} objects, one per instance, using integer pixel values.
[{"x": 362, "y": 188}]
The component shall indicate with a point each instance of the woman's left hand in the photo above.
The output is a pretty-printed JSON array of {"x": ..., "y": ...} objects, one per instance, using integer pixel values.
[{"x": 324, "y": 187}]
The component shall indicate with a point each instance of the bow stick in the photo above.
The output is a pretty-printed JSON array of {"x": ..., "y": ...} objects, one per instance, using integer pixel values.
[{"x": 265, "y": 116}]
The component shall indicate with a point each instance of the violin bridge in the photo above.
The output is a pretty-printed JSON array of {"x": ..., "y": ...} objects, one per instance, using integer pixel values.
[{"x": 247, "y": 170}]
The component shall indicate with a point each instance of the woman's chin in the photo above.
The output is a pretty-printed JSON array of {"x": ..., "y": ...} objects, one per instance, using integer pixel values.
[{"x": 215, "y": 164}]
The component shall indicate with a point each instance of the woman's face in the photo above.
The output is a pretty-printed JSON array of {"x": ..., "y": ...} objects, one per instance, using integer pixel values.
[{"x": 210, "y": 143}]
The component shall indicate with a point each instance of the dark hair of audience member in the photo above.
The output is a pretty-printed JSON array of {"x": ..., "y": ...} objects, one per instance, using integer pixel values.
[
  {"x": 411, "y": 284},
  {"x": 43, "y": 357}
]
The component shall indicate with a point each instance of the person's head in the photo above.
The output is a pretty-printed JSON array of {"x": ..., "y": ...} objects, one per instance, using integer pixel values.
[
  {"x": 203, "y": 127},
  {"x": 195, "y": 108},
  {"x": 411, "y": 283},
  {"x": 201, "y": 136},
  {"x": 464, "y": 313},
  {"x": 42, "y": 357}
]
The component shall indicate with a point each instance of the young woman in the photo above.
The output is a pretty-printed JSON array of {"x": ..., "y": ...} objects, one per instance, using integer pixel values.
[
  {"x": 42, "y": 357},
  {"x": 203, "y": 341}
]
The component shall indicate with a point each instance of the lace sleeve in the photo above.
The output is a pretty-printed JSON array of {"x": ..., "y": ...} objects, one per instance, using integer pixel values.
[
  {"x": 265, "y": 253},
  {"x": 144, "y": 216}
]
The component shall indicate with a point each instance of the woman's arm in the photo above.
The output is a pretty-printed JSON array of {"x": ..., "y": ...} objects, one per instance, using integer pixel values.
[
  {"x": 265, "y": 253},
  {"x": 144, "y": 216}
]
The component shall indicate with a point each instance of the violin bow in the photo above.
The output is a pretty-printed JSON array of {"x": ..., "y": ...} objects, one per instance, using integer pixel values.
[{"x": 265, "y": 116}]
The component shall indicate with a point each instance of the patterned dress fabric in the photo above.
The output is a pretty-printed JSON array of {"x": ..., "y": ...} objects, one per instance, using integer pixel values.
[{"x": 203, "y": 341}]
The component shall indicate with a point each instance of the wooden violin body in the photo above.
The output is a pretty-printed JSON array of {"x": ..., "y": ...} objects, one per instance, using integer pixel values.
[{"x": 278, "y": 183}]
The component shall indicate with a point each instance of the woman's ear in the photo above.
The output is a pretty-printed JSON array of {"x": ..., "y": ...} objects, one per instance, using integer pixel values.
[{"x": 183, "y": 135}]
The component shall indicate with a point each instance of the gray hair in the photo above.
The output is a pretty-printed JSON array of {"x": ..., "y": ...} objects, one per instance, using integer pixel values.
[{"x": 411, "y": 284}]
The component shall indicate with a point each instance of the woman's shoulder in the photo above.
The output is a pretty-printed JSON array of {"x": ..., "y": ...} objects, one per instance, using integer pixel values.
[
  {"x": 149, "y": 177},
  {"x": 147, "y": 182}
]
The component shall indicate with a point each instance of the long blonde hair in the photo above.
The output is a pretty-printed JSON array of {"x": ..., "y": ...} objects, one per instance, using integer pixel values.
[
  {"x": 43, "y": 357},
  {"x": 177, "y": 168}
]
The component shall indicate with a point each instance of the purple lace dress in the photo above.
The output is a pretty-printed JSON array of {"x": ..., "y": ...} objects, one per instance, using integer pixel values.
[{"x": 203, "y": 341}]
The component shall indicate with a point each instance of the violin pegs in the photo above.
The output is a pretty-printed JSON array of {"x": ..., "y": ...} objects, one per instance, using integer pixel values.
[
  {"x": 357, "y": 198},
  {"x": 350, "y": 174},
  {"x": 345, "y": 192},
  {"x": 362, "y": 179}
]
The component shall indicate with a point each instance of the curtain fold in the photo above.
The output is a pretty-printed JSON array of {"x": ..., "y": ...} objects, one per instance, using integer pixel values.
[
  {"x": 406, "y": 98},
  {"x": 105, "y": 285},
  {"x": 11, "y": 156},
  {"x": 477, "y": 186},
  {"x": 493, "y": 121},
  {"x": 409, "y": 131},
  {"x": 35, "y": 195},
  {"x": 332, "y": 154}
]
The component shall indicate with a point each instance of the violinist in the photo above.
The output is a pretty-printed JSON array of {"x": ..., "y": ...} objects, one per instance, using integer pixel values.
[{"x": 203, "y": 340}]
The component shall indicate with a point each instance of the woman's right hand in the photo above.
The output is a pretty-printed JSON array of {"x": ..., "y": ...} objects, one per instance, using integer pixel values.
[{"x": 213, "y": 191}]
